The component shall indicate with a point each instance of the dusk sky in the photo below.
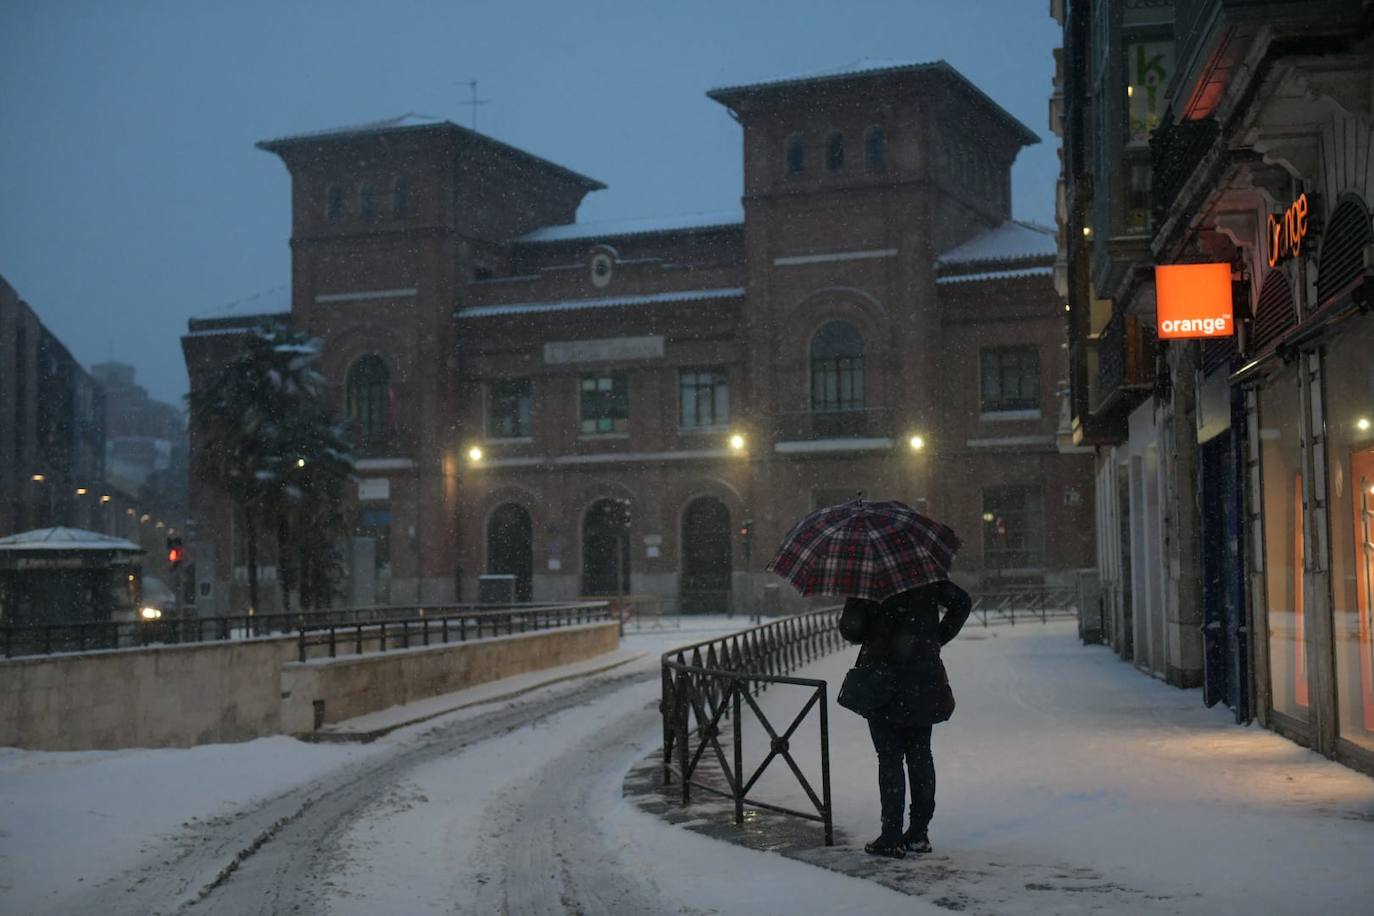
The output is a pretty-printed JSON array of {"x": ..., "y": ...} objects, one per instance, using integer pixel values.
[{"x": 132, "y": 198}]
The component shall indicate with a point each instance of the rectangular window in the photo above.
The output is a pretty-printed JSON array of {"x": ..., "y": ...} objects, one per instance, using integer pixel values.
[
  {"x": 1281, "y": 457},
  {"x": 1011, "y": 379},
  {"x": 703, "y": 398},
  {"x": 1350, "y": 453},
  {"x": 604, "y": 404},
  {"x": 1013, "y": 528},
  {"x": 509, "y": 409},
  {"x": 837, "y": 383}
]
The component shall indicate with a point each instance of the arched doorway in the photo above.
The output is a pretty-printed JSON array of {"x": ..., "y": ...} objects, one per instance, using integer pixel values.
[
  {"x": 704, "y": 585},
  {"x": 510, "y": 547},
  {"x": 606, "y": 548}
]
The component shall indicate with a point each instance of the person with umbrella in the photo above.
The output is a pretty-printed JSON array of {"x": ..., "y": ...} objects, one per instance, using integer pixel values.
[{"x": 892, "y": 565}]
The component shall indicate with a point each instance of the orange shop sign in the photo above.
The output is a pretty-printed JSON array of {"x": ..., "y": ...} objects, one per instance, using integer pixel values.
[{"x": 1193, "y": 300}]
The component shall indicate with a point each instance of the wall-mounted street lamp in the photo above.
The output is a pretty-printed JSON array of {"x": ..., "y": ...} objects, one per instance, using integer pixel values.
[
  {"x": 475, "y": 455},
  {"x": 1362, "y": 424},
  {"x": 737, "y": 443},
  {"x": 38, "y": 478},
  {"x": 916, "y": 442},
  {"x": 300, "y": 462},
  {"x": 80, "y": 491},
  {"x": 105, "y": 498}
]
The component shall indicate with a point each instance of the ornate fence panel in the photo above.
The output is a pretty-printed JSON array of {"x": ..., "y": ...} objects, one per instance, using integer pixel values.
[{"x": 706, "y": 683}]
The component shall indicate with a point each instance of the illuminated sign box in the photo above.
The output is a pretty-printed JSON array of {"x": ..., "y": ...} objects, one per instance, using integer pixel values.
[{"x": 1193, "y": 300}]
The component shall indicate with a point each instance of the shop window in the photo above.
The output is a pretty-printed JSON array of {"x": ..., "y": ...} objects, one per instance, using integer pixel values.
[
  {"x": 604, "y": 405},
  {"x": 837, "y": 368},
  {"x": 510, "y": 409},
  {"x": 703, "y": 398},
  {"x": 1010, "y": 379},
  {"x": 1013, "y": 528},
  {"x": 796, "y": 154},
  {"x": 1349, "y": 376},
  {"x": 400, "y": 198},
  {"x": 834, "y": 151},
  {"x": 334, "y": 202},
  {"x": 875, "y": 148},
  {"x": 369, "y": 403},
  {"x": 1284, "y": 543},
  {"x": 367, "y": 200}
]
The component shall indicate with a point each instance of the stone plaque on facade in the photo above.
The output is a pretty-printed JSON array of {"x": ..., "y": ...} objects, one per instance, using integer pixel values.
[{"x": 605, "y": 350}]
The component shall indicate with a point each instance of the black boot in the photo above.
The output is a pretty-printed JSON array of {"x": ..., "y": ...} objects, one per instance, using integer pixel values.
[
  {"x": 916, "y": 840},
  {"x": 886, "y": 845}
]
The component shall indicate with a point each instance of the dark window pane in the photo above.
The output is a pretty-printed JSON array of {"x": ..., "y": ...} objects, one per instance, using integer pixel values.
[
  {"x": 837, "y": 368},
  {"x": 1010, "y": 378},
  {"x": 1013, "y": 527},
  {"x": 875, "y": 148},
  {"x": 834, "y": 152},
  {"x": 796, "y": 154},
  {"x": 604, "y": 404},
  {"x": 510, "y": 409},
  {"x": 703, "y": 397}
]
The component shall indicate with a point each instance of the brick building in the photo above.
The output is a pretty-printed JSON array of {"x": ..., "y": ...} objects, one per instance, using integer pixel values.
[{"x": 600, "y": 407}]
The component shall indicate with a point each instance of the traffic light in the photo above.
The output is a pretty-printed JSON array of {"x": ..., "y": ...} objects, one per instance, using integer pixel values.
[
  {"x": 746, "y": 530},
  {"x": 175, "y": 552}
]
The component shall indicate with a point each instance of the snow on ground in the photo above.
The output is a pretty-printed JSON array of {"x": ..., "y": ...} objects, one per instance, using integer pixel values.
[
  {"x": 1061, "y": 756},
  {"x": 97, "y": 812}
]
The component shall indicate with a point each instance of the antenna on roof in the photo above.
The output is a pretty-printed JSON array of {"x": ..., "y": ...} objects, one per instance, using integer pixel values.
[{"x": 473, "y": 101}]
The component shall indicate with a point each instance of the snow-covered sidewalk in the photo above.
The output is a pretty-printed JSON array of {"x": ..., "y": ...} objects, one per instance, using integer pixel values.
[{"x": 1069, "y": 781}]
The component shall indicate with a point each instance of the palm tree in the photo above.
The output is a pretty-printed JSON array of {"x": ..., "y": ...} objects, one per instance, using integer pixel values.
[{"x": 258, "y": 421}]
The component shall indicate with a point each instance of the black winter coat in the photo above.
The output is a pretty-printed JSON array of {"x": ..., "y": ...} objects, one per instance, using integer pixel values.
[{"x": 902, "y": 637}]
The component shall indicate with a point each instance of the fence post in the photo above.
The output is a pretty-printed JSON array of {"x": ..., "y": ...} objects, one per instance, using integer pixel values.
[
  {"x": 682, "y": 743},
  {"x": 300, "y": 645},
  {"x": 827, "y": 813},
  {"x": 735, "y": 688}
]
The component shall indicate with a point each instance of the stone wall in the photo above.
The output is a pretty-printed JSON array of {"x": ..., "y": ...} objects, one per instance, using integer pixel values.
[{"x": 180, "y": 696}]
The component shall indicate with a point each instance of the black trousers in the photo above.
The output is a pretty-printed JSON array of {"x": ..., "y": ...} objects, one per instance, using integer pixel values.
[{"x": 895, "y": 744}]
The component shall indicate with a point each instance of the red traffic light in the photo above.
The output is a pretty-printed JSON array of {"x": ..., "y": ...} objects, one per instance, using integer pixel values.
[{"x": 175, "y": 555}]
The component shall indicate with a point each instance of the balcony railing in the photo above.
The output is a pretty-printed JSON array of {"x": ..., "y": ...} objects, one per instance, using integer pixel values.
[
  {"x": 1125, "y": 364},
  {"x": 810, "y": 425}
]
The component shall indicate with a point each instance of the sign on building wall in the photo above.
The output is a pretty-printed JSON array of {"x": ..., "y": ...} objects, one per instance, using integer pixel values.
[
  {"x": 1149, "y": 64},
  {"x": 374, "y": 488},
  {"x": 1193, "y": 300},
  {"x": 606, "y": 350}
]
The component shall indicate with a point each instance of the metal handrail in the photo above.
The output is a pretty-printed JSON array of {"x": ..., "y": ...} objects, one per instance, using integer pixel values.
[
  {"x": 90, "y": 636},
  {"x": 446, "y": 628},
  {"x": 713, "y": 680},
  {"x": 1031, "y": 602}
]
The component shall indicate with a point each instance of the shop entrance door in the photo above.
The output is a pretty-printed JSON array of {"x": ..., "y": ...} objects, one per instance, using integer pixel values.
[
  {"x": 705, "y": 582},
  {"x": 1224, "y": 636},
  {"x": 606, "y": 549},
  {"x": 510, "y": 547},
  {"x": 1362, "y": 495}
]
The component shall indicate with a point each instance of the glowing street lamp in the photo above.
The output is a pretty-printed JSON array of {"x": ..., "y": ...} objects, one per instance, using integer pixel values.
[
  {"x": 737, "y": 443},
  {"x": 80, "y": 491},
  {"x": 917, "y": 443},
  {"x": 475, "y": 455},
  {"x": 1362, "y": 424}
]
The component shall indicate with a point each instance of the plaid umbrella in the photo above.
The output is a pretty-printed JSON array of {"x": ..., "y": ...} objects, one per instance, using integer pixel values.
[{"x": 866, "y": 549}]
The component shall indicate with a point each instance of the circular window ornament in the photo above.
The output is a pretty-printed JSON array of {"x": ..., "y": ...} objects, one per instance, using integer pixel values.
[{"x": 601, "y": 269}]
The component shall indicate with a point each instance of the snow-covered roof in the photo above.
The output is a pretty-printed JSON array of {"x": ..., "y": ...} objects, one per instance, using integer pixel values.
[
  {"x": 413, "y": 121},
  {"x": 613, "y": 228},
  {"x": 66, "y": 539},
  {"x": 562, "y": 305},
  {"x": 1013, "y": 274},
  {"x": 1014, "y": 240},
  {"x": 274, "y": 301},
  {"x": 409, "y": 119},
  {"x": 875, "y": 66},
  {"x": 861, "y": 67}
]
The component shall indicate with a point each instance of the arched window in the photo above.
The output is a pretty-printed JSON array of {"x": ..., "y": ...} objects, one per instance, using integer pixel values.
[
  {"x": 400, "y": 203},
  {"x": 334, "y": 202},
  {"x": 1344, "y": 238},
  {"x": 837, "y": 368},
  {"x": 796, "y": 153},
  {"x": 1274, "y": 313},
  {"x": 875, "y": 148},
  {"x": 509, "y": 546},
  {"x": 369, "y": 402},
  {"x": 834, "y": 151},
  {"x": 367, "y": 200}
]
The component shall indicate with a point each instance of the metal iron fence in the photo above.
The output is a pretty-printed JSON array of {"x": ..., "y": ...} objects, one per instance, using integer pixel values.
[
  {"x": 714, "y": 680},
  {"x": 444, "y": 626},
  {"x": 1029, "y": 602},
  {"x": 46, "y": 639}
]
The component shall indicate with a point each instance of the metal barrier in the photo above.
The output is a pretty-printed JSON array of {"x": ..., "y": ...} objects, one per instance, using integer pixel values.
[
  {"x": 445, "y": 627},
  {"x": 45, "y": 639},
  {"x": 709, "y": 681},
  {"x": 1031, "y": 602}
]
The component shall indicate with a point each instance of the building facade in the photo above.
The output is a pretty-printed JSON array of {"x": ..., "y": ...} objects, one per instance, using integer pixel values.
[
  {"x": 1234, "y": 473},
  {"x": 647, "y": 406},
  {"x": 52, "y": 425}
]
